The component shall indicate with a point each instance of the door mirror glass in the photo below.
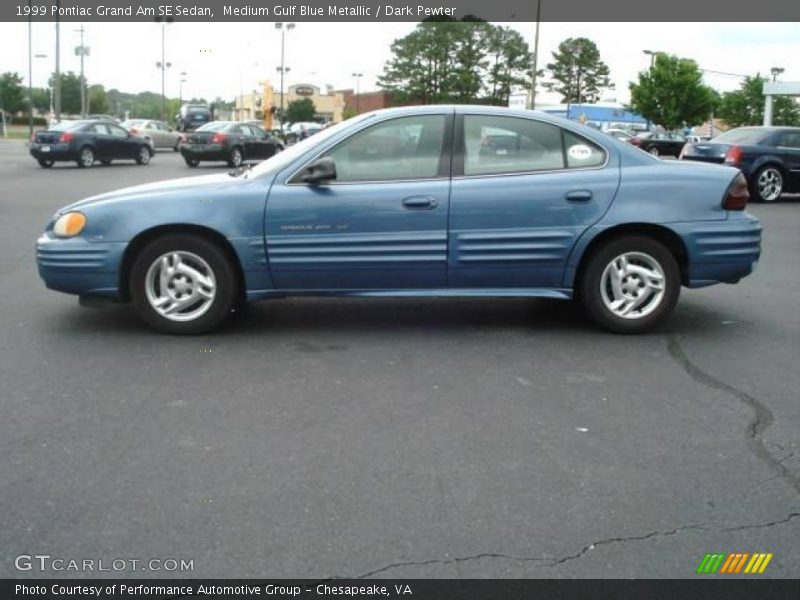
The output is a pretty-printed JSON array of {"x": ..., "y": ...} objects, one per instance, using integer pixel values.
[{"x": 320, "y": 171}]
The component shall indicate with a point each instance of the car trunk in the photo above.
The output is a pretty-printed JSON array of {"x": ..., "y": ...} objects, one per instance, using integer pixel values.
[
  {"x": 48, "y": 137},
  {"x": 706, "y": 152},
  {"x": 200, "y": 137}
]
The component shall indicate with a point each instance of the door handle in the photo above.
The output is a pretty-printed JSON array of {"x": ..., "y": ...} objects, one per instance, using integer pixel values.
[
  {"x": 416, "y": 202},
  {"x": 579, "y": 196}
]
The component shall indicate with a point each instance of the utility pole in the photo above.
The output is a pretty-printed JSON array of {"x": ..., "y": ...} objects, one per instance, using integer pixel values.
[
  {"x": 163, "y": 64},
  {"x": 57, "y": 86},
  {"x": 535, "y": 55},
  {"x": 283, "y": 68}
]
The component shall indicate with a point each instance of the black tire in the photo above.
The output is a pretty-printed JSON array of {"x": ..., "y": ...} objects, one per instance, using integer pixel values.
[
  {"x": 85, "y": 157},
  {"x": 177, "y": 146},
  {"x": 191, "y": 162},
  {"x": 143, "y": 155},
  {"x": 45, "y": 164},
  {"x": 224, "y": 273},
  {"x": 236, "y": 157},
  {"x": 590, "y": 287},
  {"x": 771, "y": 195},
  {"x": 655, "y": 152}
]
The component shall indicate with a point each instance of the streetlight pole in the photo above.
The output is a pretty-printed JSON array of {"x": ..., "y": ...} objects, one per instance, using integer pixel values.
[
  {"x": 282, "y": 69},
  {"x": 775, "y": 72},
  {"x": 163, "y": 65},
  {"x": 180, "y": 87},
  {"x": 82, "y": 51},
  {"x": 652, "y": 54},
  {"x": 358, "y": 90},
  {"x": 30, "y": 71},
  {"x": 57, "y": 86}
]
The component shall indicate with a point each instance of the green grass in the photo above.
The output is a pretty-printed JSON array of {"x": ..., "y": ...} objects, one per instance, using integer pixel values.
[{"x": 16, "y": 134}]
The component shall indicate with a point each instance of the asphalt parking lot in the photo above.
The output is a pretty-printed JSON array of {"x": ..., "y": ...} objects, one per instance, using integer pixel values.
[{"x": 394, "y": 438}]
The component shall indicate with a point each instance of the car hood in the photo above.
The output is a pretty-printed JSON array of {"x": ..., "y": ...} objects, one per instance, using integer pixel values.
[{"x": 161, "y": 189}]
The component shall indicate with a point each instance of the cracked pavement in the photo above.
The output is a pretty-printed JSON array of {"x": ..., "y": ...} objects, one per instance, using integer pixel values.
[{"x": 321, "y": 438}]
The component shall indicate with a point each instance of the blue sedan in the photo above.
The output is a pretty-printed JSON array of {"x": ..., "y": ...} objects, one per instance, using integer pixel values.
[{"x": 421, "y": 201}]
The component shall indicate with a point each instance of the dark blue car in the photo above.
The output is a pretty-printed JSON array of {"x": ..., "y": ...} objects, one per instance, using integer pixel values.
[
  {"x": 420, "y": 201},
  {"x": 769, "y": 157}
]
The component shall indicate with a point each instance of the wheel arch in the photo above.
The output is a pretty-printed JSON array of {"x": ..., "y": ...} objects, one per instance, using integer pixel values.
[
  {"x": 671, "y": 240},
  {"x": 148, "y": 235}
]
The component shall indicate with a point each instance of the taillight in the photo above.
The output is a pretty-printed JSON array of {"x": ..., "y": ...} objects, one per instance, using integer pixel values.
[
  {"x": 636, "y": 141},
  {"x": 134, "y": 131},
  {"x": 33, "y": 137},
  {"x": 66, "y": 137},
  {"x": 683, "y": 152},
  {"x": 737, "y": 195},
  {"x": 218, "y": 138},
  {"x": 733, "y": 156}
]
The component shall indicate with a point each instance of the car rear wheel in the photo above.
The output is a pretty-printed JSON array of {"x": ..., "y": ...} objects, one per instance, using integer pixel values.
[
  {"x": 46, "y": 164},
  {"x": 183, "y": 284},
  {"x": 177, "y": 146},
  {"x": 235, "y": 158},
  {"x": 192, "y": 162},
  {"x": 768, "y": 184},
  {"x": 654, "y": 151},
  {"x": 86, "y": 157},
  {"x": 144, "y": 155},
  {"x": 630, "y": 284}
]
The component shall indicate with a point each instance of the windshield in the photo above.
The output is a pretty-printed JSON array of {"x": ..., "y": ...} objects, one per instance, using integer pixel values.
[
  {"x": 215, "y": 126},
  {"x": 131, "y": 123},
  {"x": 282, "y": 159},
  {"x": 742, "y": 136},
  {"x": 66, "y": 125}
]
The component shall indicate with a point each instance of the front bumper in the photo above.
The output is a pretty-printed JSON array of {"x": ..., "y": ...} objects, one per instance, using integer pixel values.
[{"x": 77, "y": 266}]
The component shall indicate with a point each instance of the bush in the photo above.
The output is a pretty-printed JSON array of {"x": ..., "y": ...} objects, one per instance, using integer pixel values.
[{"x": 23, "y": 120}]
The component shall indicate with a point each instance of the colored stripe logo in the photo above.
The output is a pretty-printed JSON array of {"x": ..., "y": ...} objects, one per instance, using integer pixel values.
[{"x": 737, "y": 562}]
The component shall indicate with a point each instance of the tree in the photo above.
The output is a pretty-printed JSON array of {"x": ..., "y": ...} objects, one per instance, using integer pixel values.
[
  {"x": 98, "y": 100},
  {"x": 70, "y": 92},
  {"x": 578, "y": 69},
  {"x": 672, "y": 93},
  {"x": 41, "y": 99},
  {"x": 12, "y": 96},
  {"x": 449, "y": 60},
  {"x": 300, "y": 110},
  {"x": 745, "y": 106}
]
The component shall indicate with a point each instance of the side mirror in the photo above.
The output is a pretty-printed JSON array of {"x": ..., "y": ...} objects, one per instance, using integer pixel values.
[{"x": 320, "y": 171}]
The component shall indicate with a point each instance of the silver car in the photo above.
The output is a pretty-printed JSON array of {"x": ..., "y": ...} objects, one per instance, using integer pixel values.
[{"x": 158, "y": 133}]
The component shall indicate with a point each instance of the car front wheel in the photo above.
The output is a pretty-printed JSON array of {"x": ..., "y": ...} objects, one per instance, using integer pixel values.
[
  {"x": 768, "y": 184},
  {"x": 183, "y": 284},
  {"x": 630, "y": 284},
  {"x": 654, "y": 151}
]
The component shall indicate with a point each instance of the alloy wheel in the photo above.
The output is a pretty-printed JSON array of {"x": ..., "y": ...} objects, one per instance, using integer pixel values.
[
  {"x": 632, "y": 285},
  {"x": 180, "y": 286},
  {"x": 770, "y": 184}
]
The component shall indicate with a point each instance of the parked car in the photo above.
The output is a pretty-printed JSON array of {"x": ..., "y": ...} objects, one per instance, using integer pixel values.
[
  {"x": 86, "y": 142},
  {"x": 111, "y": 118},
  {"x": 192, "y": 116},
  {"x": 229, "y": 141},
  {"x": 696, "y": 139},
  {"x": 159, "y": 133},
  {"x": 564, "y": 212},
  {"x": 660, "y": 143},
  {"x": 620, "y": 134},
  {"x": 769, "y": 157}
]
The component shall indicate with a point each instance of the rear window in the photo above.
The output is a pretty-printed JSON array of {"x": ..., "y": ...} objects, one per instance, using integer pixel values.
[
  {"x": 68, "y": 126},
  {"x": 215, "y": 126},
  {"x": 742, "y": 136}
]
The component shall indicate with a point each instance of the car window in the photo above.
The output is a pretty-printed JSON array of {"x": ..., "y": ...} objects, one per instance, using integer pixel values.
[
  {"x": 494, "y": 145},
  {"x": 215, "y": 126},
  {"x": 100, "y": 129},
  {"x": 117, "y": 131},
  {"x": 236, "y": 129},
  {"x": 581, "y": 153},
  {"x": 742, "y": 136},
  {"x": 789, "y": 139},
  {"x": 403, "y": 148}
]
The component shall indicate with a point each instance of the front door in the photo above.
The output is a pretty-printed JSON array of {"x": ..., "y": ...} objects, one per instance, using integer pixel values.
[
  {"x": 523, "y": 191},
  {"x": 789, "y": 150},
  {"x": 381, "y": 224}
]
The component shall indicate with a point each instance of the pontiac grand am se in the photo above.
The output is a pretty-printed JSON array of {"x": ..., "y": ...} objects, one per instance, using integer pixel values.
[{"x": 420, "y": 201}]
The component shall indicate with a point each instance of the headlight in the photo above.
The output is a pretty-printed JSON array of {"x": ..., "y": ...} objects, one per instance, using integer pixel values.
[{"x": 69, "y": 224}]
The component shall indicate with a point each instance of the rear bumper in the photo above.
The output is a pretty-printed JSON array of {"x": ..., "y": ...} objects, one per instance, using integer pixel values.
[
  {"x": 721, "y": 251},
  {"x": 56, "y": 152},
  {"x": 75, "y": 266},
  {"x": 209, "y": 152}
]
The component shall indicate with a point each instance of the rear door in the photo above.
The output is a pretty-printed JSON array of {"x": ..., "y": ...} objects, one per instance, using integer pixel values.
[
  {"x": 124, "y": 144},
  {"x": 789, "y": 148},
  {"x": 103, "y": 142},
  {"x": 523, "y": 191},
  {"x": 381, "y": 225}
]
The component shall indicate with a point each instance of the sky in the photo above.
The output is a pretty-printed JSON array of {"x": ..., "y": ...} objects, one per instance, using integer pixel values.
[{"x": 226, "y": 59}]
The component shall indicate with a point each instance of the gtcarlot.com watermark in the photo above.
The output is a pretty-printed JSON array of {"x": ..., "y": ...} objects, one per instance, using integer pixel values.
[{"x": 45, "y": 563}]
